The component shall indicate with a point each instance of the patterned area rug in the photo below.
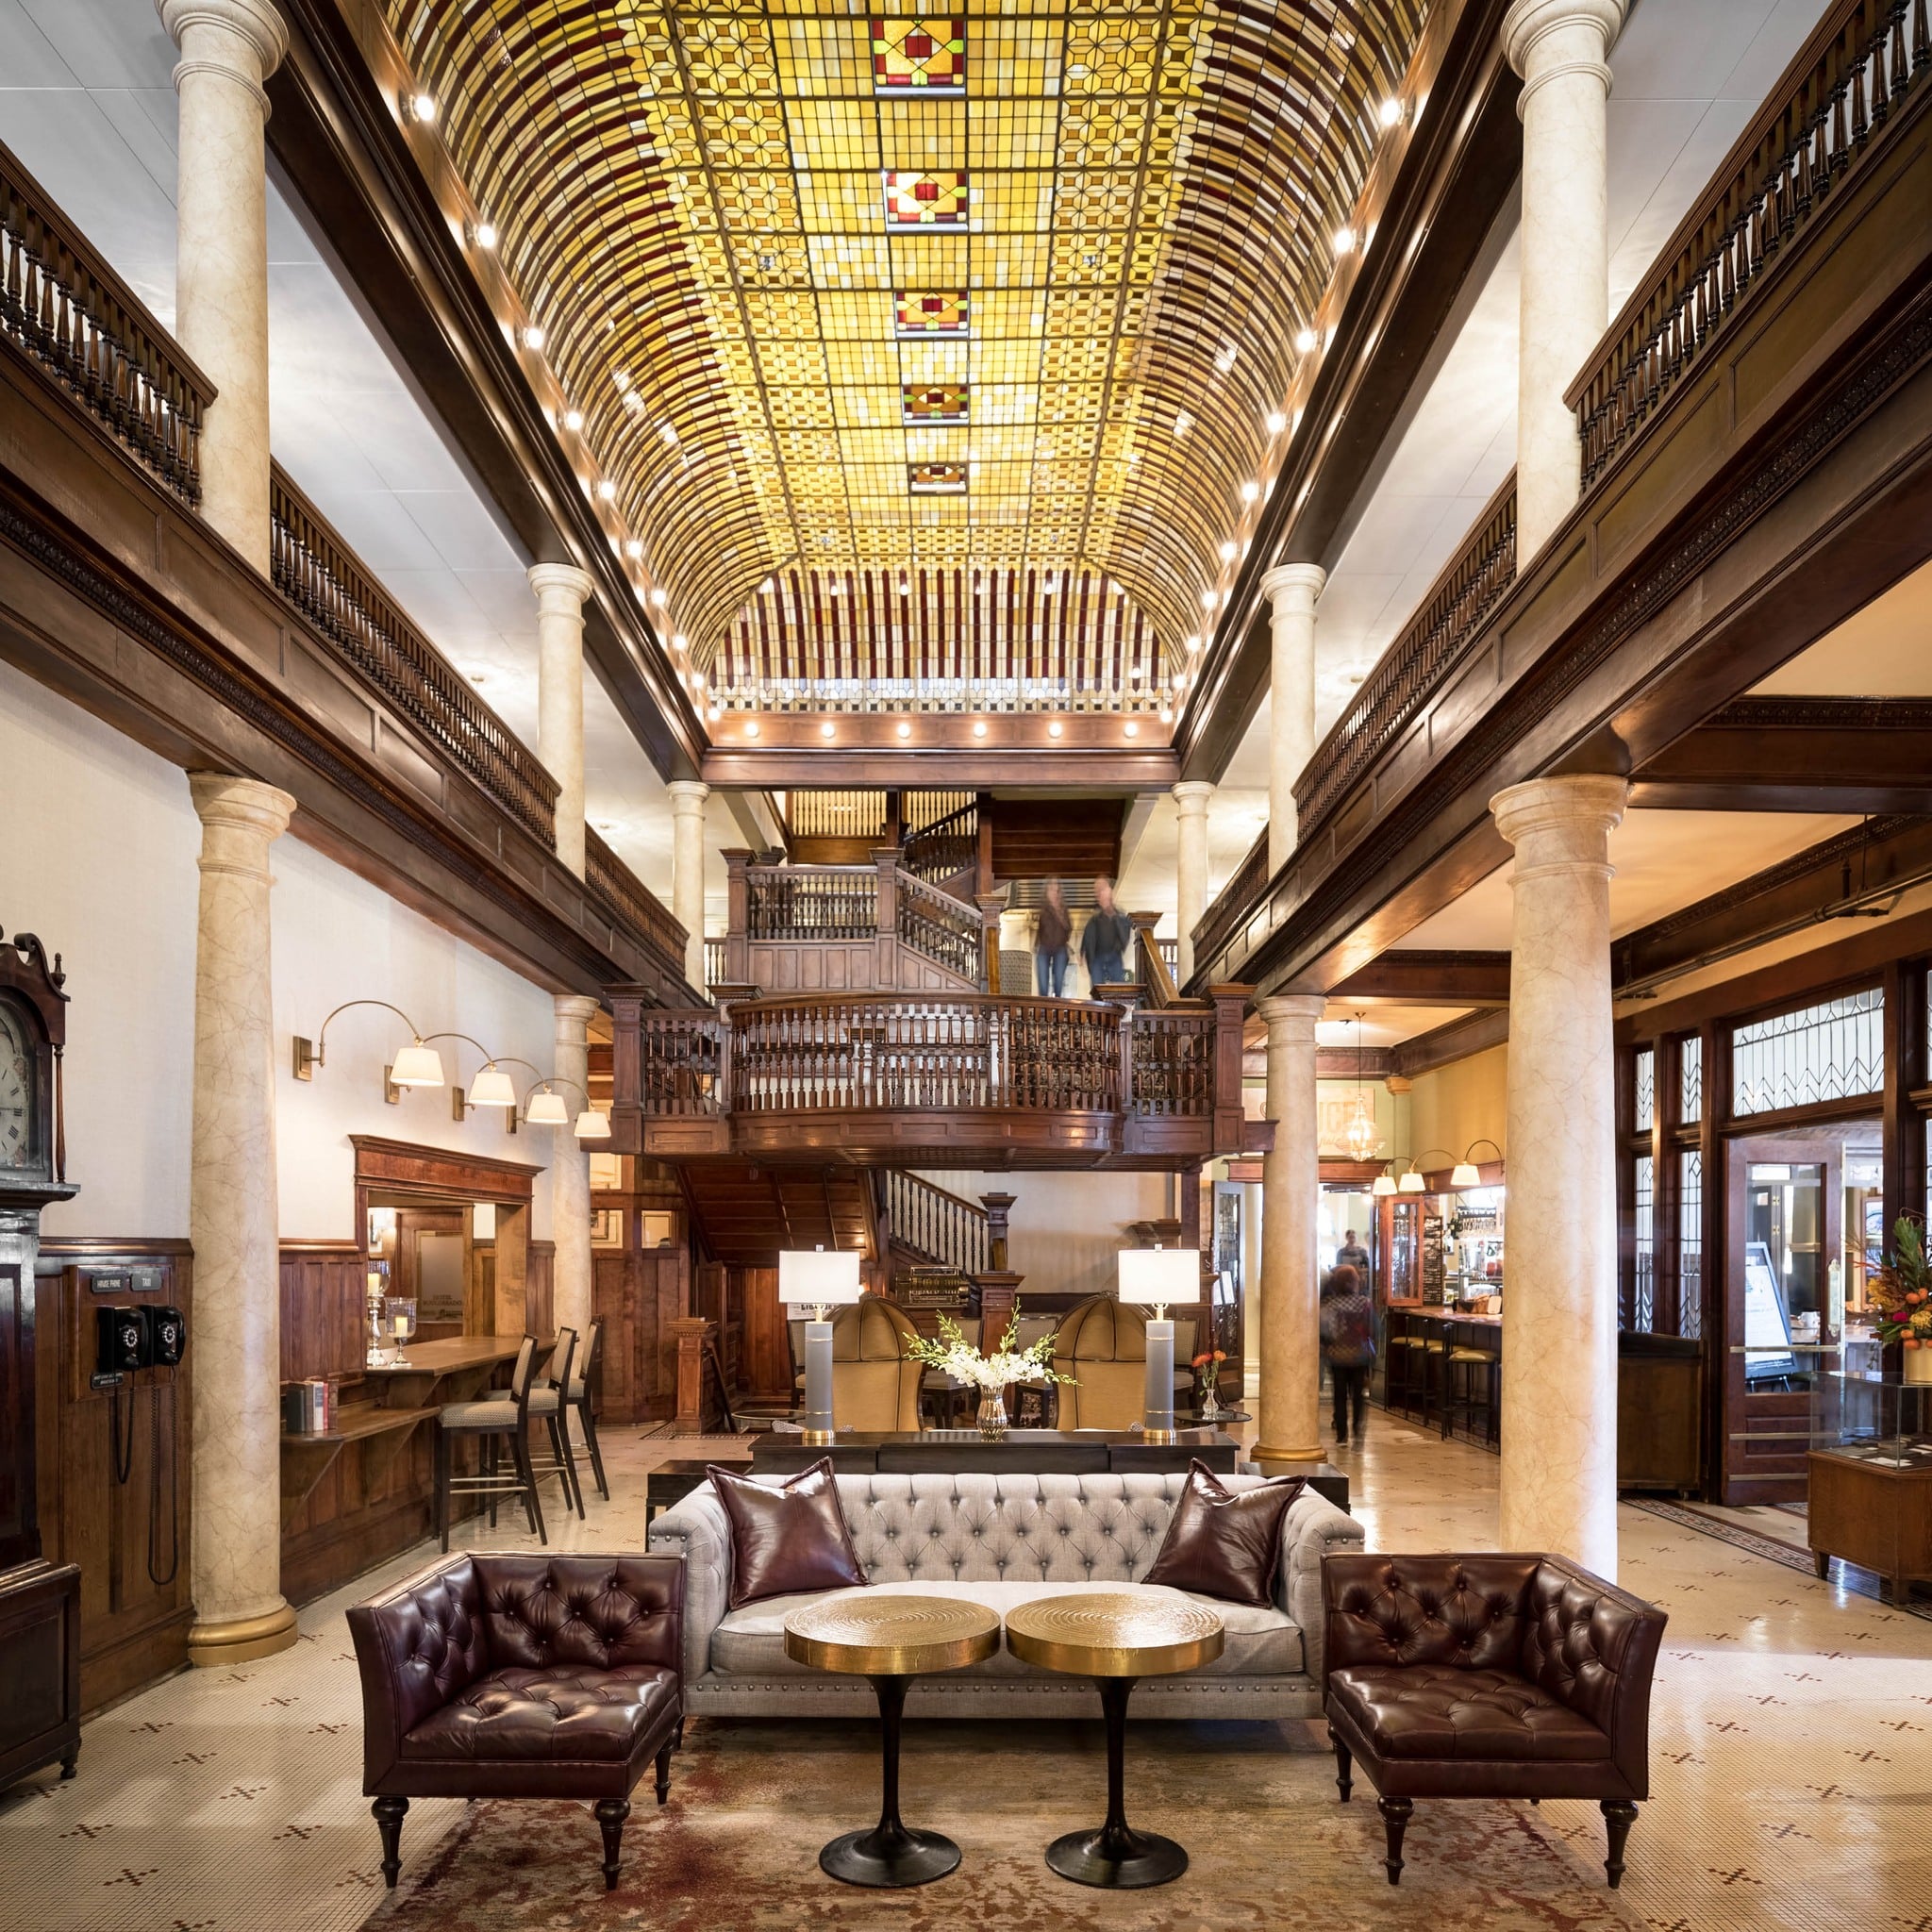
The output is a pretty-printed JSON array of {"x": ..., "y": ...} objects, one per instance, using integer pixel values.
[
  {"x": 737, "y": 1847},
  {"x": 1848, "y": 1575}
]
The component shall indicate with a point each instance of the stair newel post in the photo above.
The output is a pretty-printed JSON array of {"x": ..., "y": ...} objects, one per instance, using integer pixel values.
[
  {"x": 998, "y": 1286},
  {"x": 627, "y": 1070},
  {"x": 886, "y": 857},
  {"x": 738, "y": 917},
  {"x": 992, "y": 904},
  {"x": 1230, "y": 1006}
]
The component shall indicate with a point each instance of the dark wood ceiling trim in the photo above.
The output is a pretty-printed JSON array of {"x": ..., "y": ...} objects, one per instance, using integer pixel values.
[
  {"x": 1339, "y": 1063},
  {"x": 1424, "y": 978},
  {"x": 1459, "y": 1040},
  {"x": 1797, "y": 754},
  {"x": 340, "y": 146},
  {"x": 1459, "y": 173}
]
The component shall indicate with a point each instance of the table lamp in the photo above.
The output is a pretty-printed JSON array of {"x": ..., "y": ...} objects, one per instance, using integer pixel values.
[
  {"x": 815, "y": 1280},
  {"x": 1151, "y": 1279}
]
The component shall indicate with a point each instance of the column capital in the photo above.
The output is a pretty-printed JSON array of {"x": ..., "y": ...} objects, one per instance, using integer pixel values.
[
  {"x": 1580, "y": 811},
  {"x": 1192, "y": 796},
  {"x": 1292, "y": 1015},
  {"x": 245, "y": 42},
  {"x": 245, "y": 805},
  {"x": 560, "y": 587},
  {"x": 1537, "y": 38},
  {"x": 577, "y": 1008},
  {"x": 1398, "y": 1083},
  {"x": 688, "y": 795},
  {"x": 1293, "y": 586}
]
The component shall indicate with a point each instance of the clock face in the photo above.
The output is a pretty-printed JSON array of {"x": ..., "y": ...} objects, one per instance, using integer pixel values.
[{"x": 16, "y": 1090}]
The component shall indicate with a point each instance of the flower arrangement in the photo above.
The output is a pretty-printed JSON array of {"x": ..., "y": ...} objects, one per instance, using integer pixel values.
[
  {"x": 1902, "y": 1290},
  {"x": 952, "y": 1354},
  {"x": 1207, "y": 1367}
]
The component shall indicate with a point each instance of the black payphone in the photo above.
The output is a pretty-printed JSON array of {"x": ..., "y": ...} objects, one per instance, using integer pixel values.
[{"x": 127, "y": 1341}]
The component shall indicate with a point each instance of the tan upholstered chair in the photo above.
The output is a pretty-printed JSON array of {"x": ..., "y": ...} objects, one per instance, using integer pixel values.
[
  {"x": 874, "y": 1385},
  {"x": 1103, "y": 1345}
]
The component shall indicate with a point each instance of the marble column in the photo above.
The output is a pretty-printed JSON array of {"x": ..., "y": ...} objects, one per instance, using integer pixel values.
[
  {"x": 1562, "y": 49},
  {"x": 228, "y": 50},
  {"x": 1559, "y": 1307},
  {"x": 1191, "y": 798},
  {"x": 570, "y": 1175},
  {"x": 687, "y": 871},
  {"x": 1291, "y": 589},
  {"x": 1290, "y": 1429},
  {"x": 235, "y": 1349},
  {"x": 561, "y": 588}
]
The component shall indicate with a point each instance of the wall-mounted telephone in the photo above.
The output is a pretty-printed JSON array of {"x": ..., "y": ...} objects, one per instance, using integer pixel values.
[{"x": 128, "y": 1339}]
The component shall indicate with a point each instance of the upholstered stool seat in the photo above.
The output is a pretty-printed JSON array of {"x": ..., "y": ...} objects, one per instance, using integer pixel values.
[
  {"x": 499, "y": 1412},
  {"x": 522, "y": 1715}
]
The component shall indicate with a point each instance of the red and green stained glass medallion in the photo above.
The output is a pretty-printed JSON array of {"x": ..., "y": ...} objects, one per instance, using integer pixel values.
[
  {"x": 930, "y": 313},
  {"x": 928, "y": 53},
  {"x": 935, "y": 199}
]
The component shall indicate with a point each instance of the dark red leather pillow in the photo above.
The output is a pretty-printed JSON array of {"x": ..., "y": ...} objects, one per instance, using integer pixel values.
[
  {"x": 1225, "y": 1543},
  {"x": 786, "y": 1539}
]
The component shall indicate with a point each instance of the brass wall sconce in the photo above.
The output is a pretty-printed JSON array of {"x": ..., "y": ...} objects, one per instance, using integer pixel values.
[
  {"x": 418, "y": 1064},
  {"x": 544, "y": 1108},
  {"x": 1467, "y": 1175}
]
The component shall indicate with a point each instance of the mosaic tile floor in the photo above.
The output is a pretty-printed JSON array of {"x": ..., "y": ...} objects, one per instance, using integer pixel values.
[{"x": 1791, "y": 1748}]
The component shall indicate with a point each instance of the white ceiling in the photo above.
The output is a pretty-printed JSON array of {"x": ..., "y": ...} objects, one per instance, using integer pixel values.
[
  {"x": 1382, "y": 1026},
  {"x": 1689, "y": 73},
  {"x": 87, "y": 101},
  {"x": 1884, "y": 651}
]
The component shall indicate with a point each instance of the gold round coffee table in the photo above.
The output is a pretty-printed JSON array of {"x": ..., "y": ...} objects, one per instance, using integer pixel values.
[
  {"x": 891, "y": 1639},
  {"x": 1115, "y": 1637}
]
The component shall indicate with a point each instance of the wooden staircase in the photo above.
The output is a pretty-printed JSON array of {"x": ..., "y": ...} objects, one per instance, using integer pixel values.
[{"x": 743, "y": 1212}]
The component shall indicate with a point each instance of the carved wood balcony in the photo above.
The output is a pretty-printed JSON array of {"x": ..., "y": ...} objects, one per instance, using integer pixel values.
[{"x": 972, "y": 1080}]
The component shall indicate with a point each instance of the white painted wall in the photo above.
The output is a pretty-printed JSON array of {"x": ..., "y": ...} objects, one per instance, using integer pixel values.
[
  {"x": 97, "y": 855},
  {"x": 1066, "y": 1228}
]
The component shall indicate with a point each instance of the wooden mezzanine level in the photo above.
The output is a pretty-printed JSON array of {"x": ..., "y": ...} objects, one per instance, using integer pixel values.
[
  {"x": 118, "y": 594},
  {"x": 1758, "y": 436}
]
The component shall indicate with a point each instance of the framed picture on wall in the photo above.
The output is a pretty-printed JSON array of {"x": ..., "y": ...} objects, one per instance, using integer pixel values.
[
  {"x": 660, "y": 1230},
  {"x": 607, "y": 1227}
]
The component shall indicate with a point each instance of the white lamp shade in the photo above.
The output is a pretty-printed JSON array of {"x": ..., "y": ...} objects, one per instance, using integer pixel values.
[
  {"x": 1411, "y": 1183},
  {"x": 1153, "y": 1277},
  {"x": 417, "y": 1066},
  {"x": 492, "y": 1088},
  {"x": 1384, "y": 1184},
  {"x": 548, "y": 1109},
  {"x": 591, "y": 1126},
  {"x": 1465, "y": 1174},
  {"x": 813, "y": 1277}
]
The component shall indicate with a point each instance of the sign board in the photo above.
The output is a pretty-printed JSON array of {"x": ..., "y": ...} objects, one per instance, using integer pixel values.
[{"x": 1767, "y": 1327}]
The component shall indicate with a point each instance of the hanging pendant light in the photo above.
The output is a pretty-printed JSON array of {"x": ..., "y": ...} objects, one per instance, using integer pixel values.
[{"x": 1360, "y": 1136}]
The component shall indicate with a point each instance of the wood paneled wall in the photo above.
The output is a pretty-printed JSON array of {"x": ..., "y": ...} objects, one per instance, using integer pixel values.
[
  {"x": 133, "y": 1629},
  {"x": 323, "y": 1309}
]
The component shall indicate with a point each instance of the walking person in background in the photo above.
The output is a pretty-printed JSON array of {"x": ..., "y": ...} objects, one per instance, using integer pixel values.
[
  {"x": 1348, "y": 1346},
  {"x": 1350, "y": 1254},
  {"x": 1104, "y": 944},
  {"x": 1051, "y": 933}
]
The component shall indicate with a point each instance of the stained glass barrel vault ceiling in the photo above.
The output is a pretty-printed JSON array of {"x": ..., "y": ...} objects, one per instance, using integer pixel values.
[{"x": 808, "y": 269}]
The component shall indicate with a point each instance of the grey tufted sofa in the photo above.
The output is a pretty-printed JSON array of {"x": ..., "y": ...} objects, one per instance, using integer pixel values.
[{"x": 1003, "y": 1540}]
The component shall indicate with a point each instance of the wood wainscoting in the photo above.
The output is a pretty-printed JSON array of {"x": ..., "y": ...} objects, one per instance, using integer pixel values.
[{"x": 129, "y": 1537}]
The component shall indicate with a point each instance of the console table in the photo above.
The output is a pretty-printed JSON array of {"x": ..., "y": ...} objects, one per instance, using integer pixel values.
[{"x": 1028, "y": 1452}]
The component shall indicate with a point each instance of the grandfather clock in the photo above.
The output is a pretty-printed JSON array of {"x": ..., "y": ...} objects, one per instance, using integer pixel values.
[{"x": 40, "y": 1603}]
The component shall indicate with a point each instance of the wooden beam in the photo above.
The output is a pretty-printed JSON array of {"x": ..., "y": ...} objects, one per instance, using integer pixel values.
[
  {"x": 1473, "y": 1033},
  {"x": 1797, "y": 754},
  {"x": 1337, "y": 1063},
  {"x": 1424, "y": 978}
]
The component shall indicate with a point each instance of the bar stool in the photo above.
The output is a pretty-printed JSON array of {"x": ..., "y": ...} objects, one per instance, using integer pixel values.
[
  {"x": 579, "y": 1399},
  {"x": 1398, "y": 1374},
  {"x": 548, "y": 1400},
  {"x": 1471, "y": 1392},
  {"x": 1434, "y": 1358},
  {"x": 494, "y": 1420}
]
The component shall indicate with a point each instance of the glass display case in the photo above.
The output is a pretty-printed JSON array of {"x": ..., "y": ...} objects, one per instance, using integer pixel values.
[{"x": 1859, "y": 1412}]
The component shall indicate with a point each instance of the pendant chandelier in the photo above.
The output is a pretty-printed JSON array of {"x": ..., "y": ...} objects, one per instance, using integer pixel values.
[{"x": 1360, "y": 1137}]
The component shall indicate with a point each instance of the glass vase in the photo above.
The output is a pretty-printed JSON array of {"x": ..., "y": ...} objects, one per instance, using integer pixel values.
[{"x": 992, "y": 1414}]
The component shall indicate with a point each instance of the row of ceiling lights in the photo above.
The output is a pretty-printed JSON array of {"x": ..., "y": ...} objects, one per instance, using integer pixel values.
[{"x": 903, "y": 729}]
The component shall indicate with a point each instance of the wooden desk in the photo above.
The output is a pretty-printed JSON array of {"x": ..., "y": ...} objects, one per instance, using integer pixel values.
[{"x": 457, "y": 1368}]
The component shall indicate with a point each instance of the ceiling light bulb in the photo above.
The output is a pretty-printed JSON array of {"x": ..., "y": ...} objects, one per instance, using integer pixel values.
[
  {"x": 660, "y": 598},
  {"x": 827, "y": 730},
  {"x": 1276, "y": 421},
  {"x": 711, "y": 712},
  {"x": 1192, "y": 643},
  {"x": 1344, "y": 239},
  {"x": 422, "y": 106},
  {"x": 1390, "y": 113},
  {"x": 1167, "y": 714},
  {"x": 979, "y": 728},
  {"x": 634, "y": 548},
  {"x": 572, "y": 420},
  {"x": 1130, "y": 729},
  {"x": 484, "y": 234},
  {"x": 532, "y": 335},
  {"x": 1054, "y": 729},
  {"x": 905, "y": 729},
  {"x": 1227, "y": 553},
  {"x": 1305, "y": 342},
  {"x": 1250, "y": 489},
  {"x": 680, "y": 642},
  {"x": 751, "y": 728},
  {"x": 606, "y": 491},
  {"x": 1206, "y": 600}
]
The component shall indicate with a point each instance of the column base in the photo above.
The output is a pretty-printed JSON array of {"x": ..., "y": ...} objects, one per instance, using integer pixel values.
[
  {"x": 243, "y": 1641},
  {"x": 1268, "y": 1452}
]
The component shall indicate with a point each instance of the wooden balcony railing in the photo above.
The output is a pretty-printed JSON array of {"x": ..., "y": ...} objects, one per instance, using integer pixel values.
[
  {"x": 628, "y": 898},
  {"x": 1086, "y": 1078},
  {"x": 811, "y": 902},
  {"x": 714, "y": 960},
  {"x": 62, "y": 305},
  {"x": 1235, "y": 900},
  {"x": 1834, "y": 98},
  {"x": 947, "y": 1229},
  {"x": 317, "y": 572}
]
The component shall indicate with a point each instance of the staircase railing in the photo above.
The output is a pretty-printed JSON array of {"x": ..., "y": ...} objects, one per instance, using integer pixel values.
[
  {"x": 942, "y": 1228},
  {"x": 941, "y": 928},
  {"x": 1847, "y": 81},
  {"x": 944, "y": 849},
  {"x": 67, "y": 309},
  {"x": 811, "y": 902}
]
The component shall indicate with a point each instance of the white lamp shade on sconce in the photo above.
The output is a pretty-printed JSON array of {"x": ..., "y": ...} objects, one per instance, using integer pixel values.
[
  {"x": 1384, "y": 1185},
  {"x": 1412, "y": 1183},
  {"x": 813, "y": 1278},
  {"x": 547, "y": 1110},
  {"x": 417, "y": 1066},
  {"x": 1153, "y": 1277},
  {"x": 492, "y": 1088},
  {"x": 1465, "y": 1174},
  {"x": 591, "y": 1126}
]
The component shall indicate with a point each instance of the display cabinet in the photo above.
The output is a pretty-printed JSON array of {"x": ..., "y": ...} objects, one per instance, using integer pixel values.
[{"x": 1871, "y": 1475}]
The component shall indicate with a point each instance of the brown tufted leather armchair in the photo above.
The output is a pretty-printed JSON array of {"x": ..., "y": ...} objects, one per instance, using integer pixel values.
[
  {"x": 521, "y": 1676},
  {"x": 1488, "y": 1676}
]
